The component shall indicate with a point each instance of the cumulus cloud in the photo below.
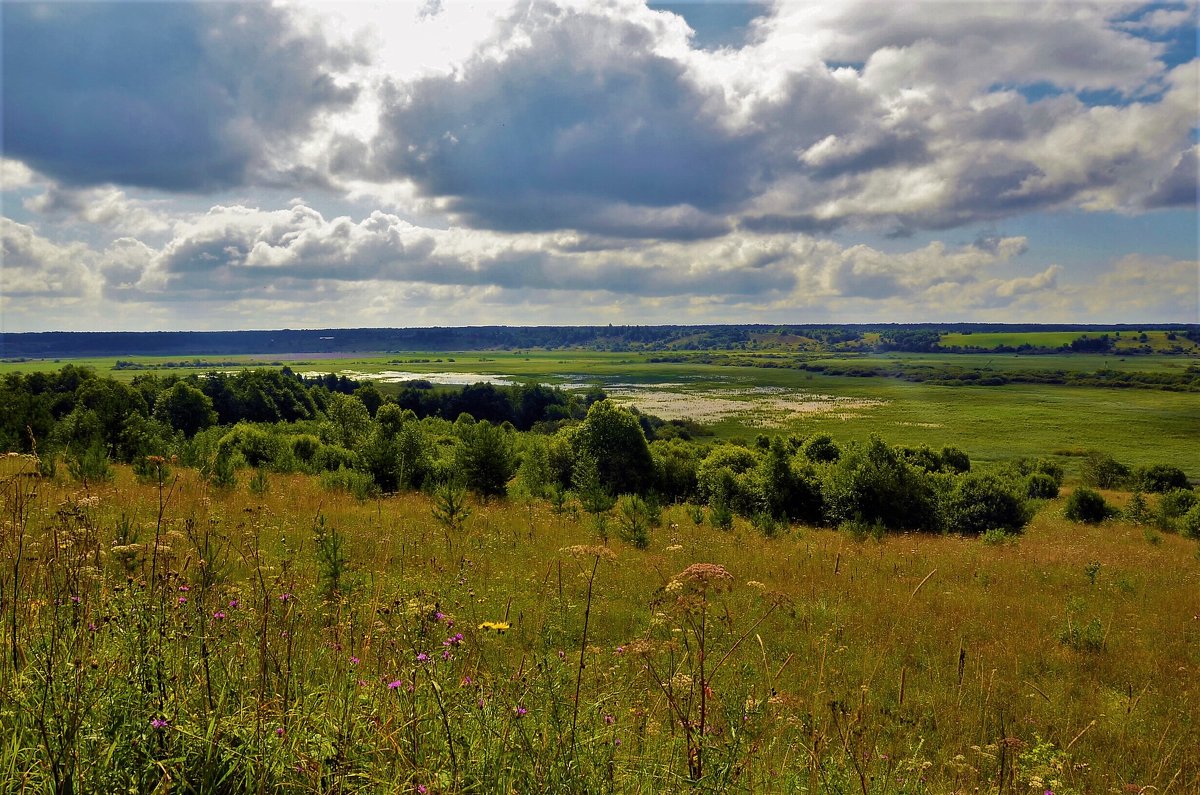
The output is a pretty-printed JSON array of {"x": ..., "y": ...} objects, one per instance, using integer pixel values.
[
  {"x": 34, "y": 267},
  {"x": 178, "y": 96},
  {"x": 603, "y": 119},
  {"x": 104, "y": 206}
]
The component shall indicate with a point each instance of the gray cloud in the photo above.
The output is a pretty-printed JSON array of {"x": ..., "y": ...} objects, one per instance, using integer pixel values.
[
  {"x": 176, "y": 96},
  {"x": 590, "y": 120}
]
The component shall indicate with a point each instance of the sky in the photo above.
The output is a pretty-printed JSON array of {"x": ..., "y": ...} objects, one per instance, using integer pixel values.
[{"x": 179, "y": 166}]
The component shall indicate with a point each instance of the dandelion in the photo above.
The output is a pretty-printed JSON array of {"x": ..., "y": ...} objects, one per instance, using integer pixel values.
[{"x": 499, "y": 626}]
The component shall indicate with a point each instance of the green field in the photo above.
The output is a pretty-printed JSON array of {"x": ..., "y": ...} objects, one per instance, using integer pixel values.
[{"x": 1124, "y": 339}]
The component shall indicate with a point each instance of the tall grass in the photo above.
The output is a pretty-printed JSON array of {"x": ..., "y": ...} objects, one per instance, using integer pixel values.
[{"x": 162, "y": 633}]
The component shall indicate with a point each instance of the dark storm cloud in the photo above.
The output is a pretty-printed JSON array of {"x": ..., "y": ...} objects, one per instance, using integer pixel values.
[{"x": 175, "y": 96}]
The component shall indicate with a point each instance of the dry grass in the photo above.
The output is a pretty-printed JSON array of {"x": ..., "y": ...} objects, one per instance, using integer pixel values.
[{"x": 915, "y": 663}]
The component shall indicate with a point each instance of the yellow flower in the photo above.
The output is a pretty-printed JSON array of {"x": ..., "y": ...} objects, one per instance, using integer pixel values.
[{"x": 499, "y": 626}]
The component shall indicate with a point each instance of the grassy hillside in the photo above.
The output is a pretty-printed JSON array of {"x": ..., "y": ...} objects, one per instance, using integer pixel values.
[{"x": 299, "y": 640}]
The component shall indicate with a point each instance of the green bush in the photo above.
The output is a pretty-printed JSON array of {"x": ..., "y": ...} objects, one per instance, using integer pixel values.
[
  {"x": 1102, "y": 471},
  {"x": 1189, "y": 523},
  {"x": 821, "y": 449},
  {"x": 351, "y": 481},
  {"x": 1085, "y": 505},
  {"x": 1161, "y": 478},
  {"x": 979, "y": 503},
  {"x": 871, "y": 483},
  {"x": 1176, "y": 503},
  {"x": 1040, "y": 486}
]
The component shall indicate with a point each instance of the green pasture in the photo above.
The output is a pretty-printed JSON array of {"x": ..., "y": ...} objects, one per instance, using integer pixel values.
[{"x": 1126, "y": 339}]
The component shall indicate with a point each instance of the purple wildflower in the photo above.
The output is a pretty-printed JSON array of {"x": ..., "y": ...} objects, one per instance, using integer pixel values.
[
  {"x": 422, "y": 657},
  {"x": 218, "y": 615},
  {"x": 394, "y": 685},
  {"x": 158, "y": 723},
  {"x": 522, "y": 712}
]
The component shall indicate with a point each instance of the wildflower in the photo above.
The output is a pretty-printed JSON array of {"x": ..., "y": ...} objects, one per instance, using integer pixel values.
[
  {"x": 279, "y": 731},
  {"x": 183, "y": 600},
  {"x": 703, "y": 576},
  {"x": 467, "y": 681},
  {"x": 233, "y": 604},
  {"x": 92, "y": 626},
  {"x": 499, "y": 626},
  {"x": 421, "y": 789},
  {"x": 394, "y": 685},
  {"x": 619, "y": 650},
  {"x": 185, "y": 588},
  {"x": 446, "y": 654},
  {"x": 522, "y": 712},
  {"x": 587, "y": 551},
  {"x": 609, "y": 720},
  {"x": 158, "y": 723},
  {"x": 218, "y": 615},
  {"x": 422, "y": 657},
  {"x": 354, "y": 660},
  {"x": 285, "y": 597},
  {"x": 76, "y": 599}
]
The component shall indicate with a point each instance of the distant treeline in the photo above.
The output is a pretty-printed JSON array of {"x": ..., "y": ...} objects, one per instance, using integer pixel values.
[{"x": 899, "y": 336}]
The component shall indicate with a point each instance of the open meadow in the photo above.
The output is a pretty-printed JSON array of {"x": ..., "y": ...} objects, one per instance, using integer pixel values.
[{"x": 165, "y": 634}]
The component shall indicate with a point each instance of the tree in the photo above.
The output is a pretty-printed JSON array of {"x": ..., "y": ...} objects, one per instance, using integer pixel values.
[
  {"x": 613, "y": 437},
  {"x": 484, "y": 458},
  {"x": 185, "y": 408},
  {"x": 349, "y": 420}
]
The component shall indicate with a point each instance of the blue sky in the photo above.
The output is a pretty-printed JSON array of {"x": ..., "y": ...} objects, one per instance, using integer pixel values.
[{"x": 223, "y": 166}]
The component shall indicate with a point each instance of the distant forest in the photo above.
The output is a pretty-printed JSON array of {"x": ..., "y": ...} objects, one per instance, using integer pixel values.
[{"x": 898, "y": 336}]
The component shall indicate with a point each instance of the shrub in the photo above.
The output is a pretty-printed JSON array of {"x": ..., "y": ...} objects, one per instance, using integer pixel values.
[
  {"x": 358, "y": 484},
  {"x": 821, "y": 449},
  {"x": 979, "y": 503},
  {"x": 1189, "y": 523},
  {"x": 1102, "y": 471},
  {"x": 1176, "y": 503},
  {"x": 1040, "y": 486},
  {"x": 1085, "y": 505},
  {"x": 955, "y": 460},
  {"x": 1161, "y": 478},
  {"x": 872, "y": 484}
]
